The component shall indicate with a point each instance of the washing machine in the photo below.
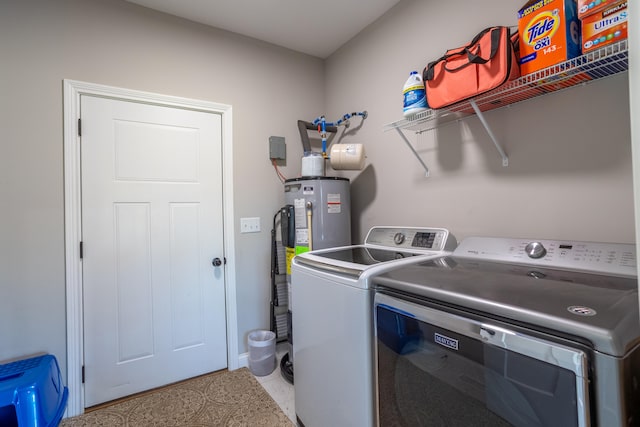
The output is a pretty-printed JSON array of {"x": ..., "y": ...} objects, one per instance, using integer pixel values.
[
  {"x": 510, "y": 332},
  {"x": 332, "y": 322}
]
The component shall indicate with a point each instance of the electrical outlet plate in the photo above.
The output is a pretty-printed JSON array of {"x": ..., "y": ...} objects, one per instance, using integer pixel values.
[{"x": 250, "y": 225}]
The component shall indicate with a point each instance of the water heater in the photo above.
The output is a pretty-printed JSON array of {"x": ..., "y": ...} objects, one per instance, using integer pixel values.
[
  {"x": 322, "y": 211},
  {"x": 318, "y": 216}
]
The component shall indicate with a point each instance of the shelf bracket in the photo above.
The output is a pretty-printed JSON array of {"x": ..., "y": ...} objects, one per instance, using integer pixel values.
[
  {"x": 505, "y": 159},
  {"x": 415, "y": 153}
]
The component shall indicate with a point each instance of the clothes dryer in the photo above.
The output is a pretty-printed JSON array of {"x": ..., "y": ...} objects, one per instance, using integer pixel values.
[
  {"x": 332, "y": 321},
  {"x": 511, "y": 332}
]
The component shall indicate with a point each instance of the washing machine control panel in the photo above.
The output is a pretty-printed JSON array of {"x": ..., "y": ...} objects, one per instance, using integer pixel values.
[
  {"x": 604, "y": 258},
  {"x": 415, "y": 239}
]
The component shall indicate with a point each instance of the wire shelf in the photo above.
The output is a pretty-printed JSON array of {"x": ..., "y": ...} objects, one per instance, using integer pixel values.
[{"x": 604, "y": 62}]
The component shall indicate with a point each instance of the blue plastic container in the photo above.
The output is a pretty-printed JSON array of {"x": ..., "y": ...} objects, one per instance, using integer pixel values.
[{"x": 32, "y": 393}]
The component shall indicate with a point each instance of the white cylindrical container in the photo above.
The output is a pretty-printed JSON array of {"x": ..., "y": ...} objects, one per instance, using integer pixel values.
[
  {"x": 347, "y": 156},
  {"x": 415, "y": 99},
  {"x": 262, "y": 352},
  {"x": 312, "y": 165}
]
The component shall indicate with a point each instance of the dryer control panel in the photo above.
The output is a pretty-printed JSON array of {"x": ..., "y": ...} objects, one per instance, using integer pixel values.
[
  {"x": 411, "y": 238},
  {"x": 604, "y": 258}
]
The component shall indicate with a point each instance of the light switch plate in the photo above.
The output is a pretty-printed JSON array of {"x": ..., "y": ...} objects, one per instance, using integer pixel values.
[{"x": 250, "y": 225}]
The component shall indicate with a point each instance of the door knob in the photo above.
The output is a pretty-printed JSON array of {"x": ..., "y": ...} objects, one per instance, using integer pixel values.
[{"x": 217, "y": 262}]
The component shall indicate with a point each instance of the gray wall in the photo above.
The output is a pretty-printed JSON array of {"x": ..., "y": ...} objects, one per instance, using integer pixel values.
[
  {"x": 116, "y": 43},
  {"x": 570, "y": 174}
]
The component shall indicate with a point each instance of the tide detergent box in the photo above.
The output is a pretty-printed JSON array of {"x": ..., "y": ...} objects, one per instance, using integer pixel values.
[
  {"x": 549, "y": 34},
  {"x": 604, "y": 27},
  {"x": 587, "y": 7}
]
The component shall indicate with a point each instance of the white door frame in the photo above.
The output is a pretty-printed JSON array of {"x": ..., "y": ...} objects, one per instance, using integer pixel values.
[{"x": 73, "y": 221}]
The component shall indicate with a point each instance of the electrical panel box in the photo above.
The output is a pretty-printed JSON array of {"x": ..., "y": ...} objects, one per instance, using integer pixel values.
[{"x": 277, "y": 148}]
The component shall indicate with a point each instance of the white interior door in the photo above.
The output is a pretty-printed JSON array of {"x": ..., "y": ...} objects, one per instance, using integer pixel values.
[{"x": 154, "y": 304}]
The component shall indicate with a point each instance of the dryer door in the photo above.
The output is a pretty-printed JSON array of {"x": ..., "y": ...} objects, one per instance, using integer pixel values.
[{"x": 439, "y": 368}]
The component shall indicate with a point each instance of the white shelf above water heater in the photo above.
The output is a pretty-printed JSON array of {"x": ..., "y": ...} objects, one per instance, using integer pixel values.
[{"x": 604, "y": 62}]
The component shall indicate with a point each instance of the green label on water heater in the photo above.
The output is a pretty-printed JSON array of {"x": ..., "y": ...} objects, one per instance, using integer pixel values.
[{"x": 301, "y": 249}]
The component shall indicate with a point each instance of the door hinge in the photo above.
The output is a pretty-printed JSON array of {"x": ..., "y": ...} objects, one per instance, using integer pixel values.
[
  {"x": 81, "y": 250},
  {"x": 82, "y": 374},
  {"x": 79, "y": 127}
]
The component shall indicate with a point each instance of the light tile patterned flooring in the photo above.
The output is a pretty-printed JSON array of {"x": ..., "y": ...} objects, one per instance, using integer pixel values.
[{"x": 278, "y": 388}]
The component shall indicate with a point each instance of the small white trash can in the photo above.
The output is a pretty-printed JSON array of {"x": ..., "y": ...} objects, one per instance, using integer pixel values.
[{"x": 262, "y": 352}]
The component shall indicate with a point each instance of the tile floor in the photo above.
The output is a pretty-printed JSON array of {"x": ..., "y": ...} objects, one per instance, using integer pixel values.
[{"x": 278, "y": 388}]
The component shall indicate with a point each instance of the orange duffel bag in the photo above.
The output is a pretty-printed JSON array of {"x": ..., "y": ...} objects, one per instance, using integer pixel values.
[{"x": 486, "y": 63}]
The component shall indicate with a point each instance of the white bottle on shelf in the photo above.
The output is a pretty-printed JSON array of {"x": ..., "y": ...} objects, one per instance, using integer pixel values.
[{"x": 415, "y": 99}]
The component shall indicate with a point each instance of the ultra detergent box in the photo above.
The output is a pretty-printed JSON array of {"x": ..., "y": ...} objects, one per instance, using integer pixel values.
[
  {"x": 604, "y": 27},
  {"x": 587, "y": 7},
  {"x": 549, "y": 34}
]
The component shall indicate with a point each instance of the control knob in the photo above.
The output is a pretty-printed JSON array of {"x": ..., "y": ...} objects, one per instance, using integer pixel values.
[
  {"x": 535, "y": 250},
  {"x": 398, "y": 238}
]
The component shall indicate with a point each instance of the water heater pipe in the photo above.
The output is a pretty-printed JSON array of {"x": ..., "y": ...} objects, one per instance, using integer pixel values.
[
  {"x": 309, "y": 226},
  {"x": 303, "y": 127},
  {"x": 322, "y": 124}
]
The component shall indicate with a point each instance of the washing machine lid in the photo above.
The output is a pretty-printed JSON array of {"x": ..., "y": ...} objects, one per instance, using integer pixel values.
[
  {"x": 382, "y": 246},
  {"x": 352, "y": 260},
  {"x": 600, "y": 308},
  {"x": 364, "y": 256}
]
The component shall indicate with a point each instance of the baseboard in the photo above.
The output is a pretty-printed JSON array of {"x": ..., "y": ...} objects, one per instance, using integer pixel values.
[{"x": 243, "y": 360}]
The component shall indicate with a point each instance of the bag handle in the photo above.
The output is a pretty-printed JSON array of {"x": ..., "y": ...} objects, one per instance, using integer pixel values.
[
  {"x": 495, "y": 44},
  {"x": 429, "y": 71}
]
